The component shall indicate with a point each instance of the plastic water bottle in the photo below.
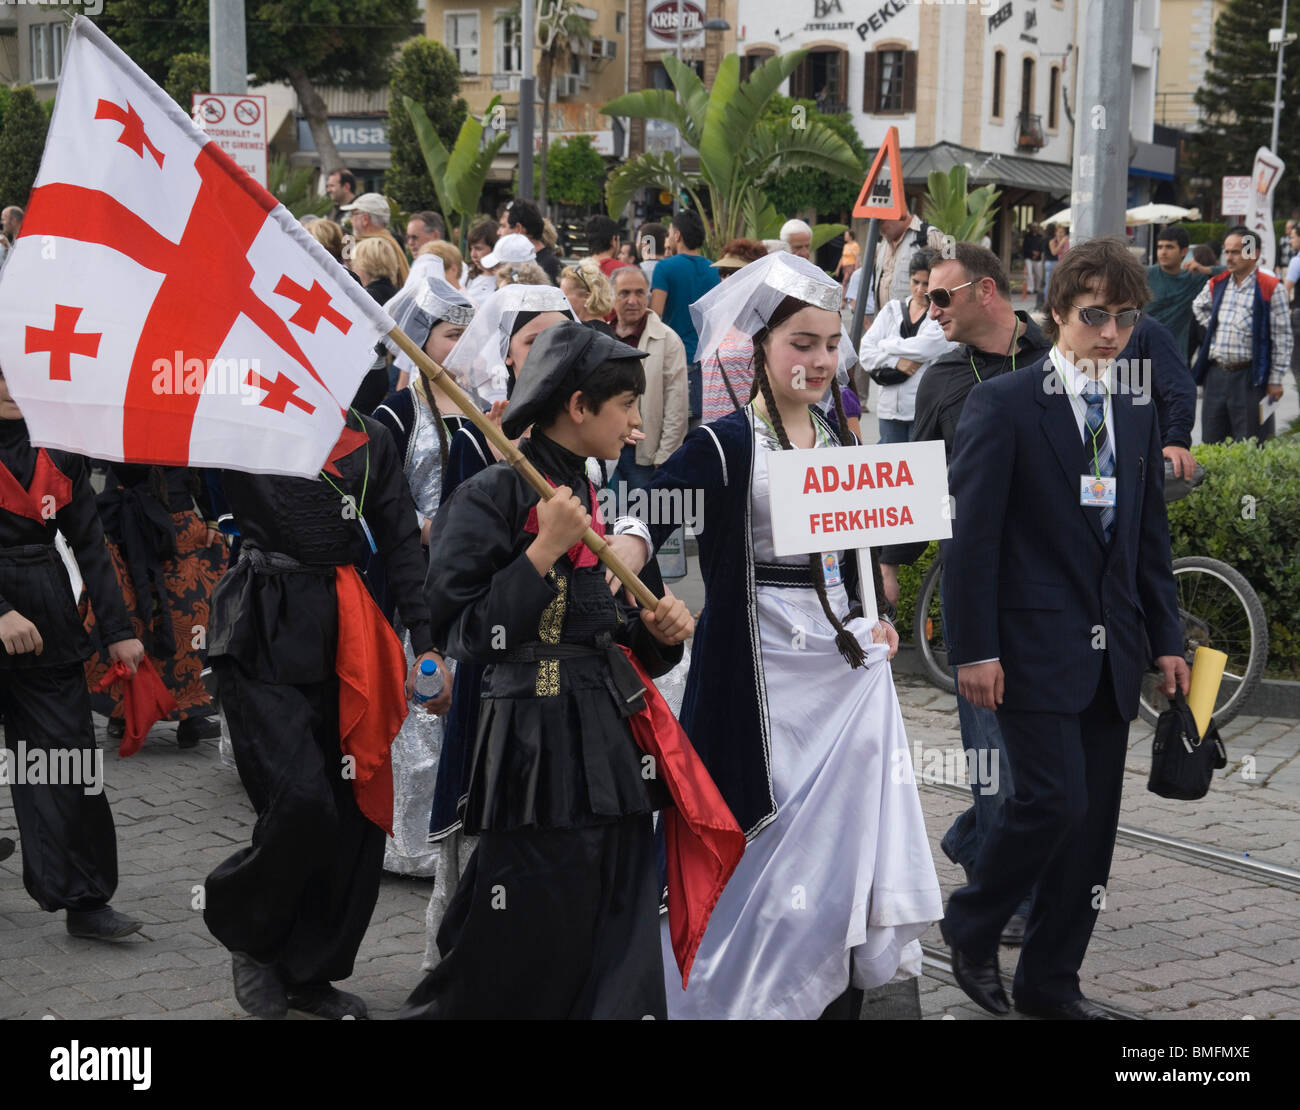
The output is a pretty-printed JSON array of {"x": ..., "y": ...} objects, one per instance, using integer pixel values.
[{"x": 428, "y": 683}]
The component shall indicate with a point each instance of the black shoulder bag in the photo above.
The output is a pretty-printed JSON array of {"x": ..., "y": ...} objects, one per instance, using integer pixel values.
[{"x": 1182, "y": 761}]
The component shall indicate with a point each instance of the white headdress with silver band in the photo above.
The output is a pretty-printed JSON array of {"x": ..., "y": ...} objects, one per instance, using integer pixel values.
[
  {"x": 478, "y": 360},
  {"x": 745, "y": 302},
  {"x": 421, "y": 306}
]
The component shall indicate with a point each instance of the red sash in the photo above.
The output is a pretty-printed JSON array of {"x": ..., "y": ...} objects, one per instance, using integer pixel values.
[{"x": 371, "y": 666}]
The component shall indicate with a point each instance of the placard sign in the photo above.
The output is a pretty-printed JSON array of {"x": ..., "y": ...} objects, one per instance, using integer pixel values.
[
  {"x": 1236, "y": 199},
  {"x": 841, "y": 498},
  {"x": 237, "y": 121}
]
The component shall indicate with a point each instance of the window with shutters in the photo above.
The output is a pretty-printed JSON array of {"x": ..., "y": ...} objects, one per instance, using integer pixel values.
[
  {"x": 752, "y": 60},
  {"x": 462, "y": 39},
  {"x": 889, "y": 82},
  {"x": 39, "y": 40},
  {"x": 823, "y": 77},
  {"x": 1053, "y": 97}
]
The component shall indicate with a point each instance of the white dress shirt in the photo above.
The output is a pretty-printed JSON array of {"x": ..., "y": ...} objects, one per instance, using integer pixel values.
[{"x": 1076, "y": 382}]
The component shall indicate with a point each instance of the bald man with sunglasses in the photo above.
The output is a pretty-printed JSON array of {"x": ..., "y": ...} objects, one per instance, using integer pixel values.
[{"x": 1059, "y": 595}]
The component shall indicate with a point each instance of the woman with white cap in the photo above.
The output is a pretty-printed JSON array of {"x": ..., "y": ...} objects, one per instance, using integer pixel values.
[
  {"x": 790, "y": 700},
  {"x": 434, "y": 315}
]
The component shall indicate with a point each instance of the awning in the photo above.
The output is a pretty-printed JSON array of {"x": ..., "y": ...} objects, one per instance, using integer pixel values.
[{"x": 1007, "y": 170}]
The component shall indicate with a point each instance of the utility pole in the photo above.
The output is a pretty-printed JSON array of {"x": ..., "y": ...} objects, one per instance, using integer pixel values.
[
  {"x": 1099, "y": 180},
  {"x": 1277, "y": 88},
  {"x": 527, "y": 97},
  {"x": 677, "y": 136},
  {"x": 227, "y": 47}
]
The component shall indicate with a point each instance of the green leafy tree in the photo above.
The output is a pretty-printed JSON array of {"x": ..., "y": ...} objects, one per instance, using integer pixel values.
[
  {"x": 427, "y": 73},
  {"x": 965, "y": 215},
  {"x": 829, "y": 195},
  {"x": 22, "y": 141},
  {"x": 293, "y": 188},
  {"x": 458, "y": 174},
  {"x": 576, "y": 171},
  {"x": 1236, "y": 98},
  {"x": 739, "y": 150},
  {"x": 188, "y": 74},
  {"x": 307, "y": 43}
]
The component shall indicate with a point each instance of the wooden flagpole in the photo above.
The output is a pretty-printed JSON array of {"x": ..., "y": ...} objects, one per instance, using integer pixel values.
[{"x": 431, "y": 372}]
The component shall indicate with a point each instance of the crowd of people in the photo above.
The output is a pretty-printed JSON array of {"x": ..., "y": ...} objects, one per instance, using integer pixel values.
[{"x": 520, "y": 787}]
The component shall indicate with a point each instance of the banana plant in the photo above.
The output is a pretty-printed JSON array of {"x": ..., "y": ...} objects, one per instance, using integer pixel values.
[
  {"x": 458, "y": 174},
  {"x": 965, "y": 215},
  {"x": 738, "y": 150}
]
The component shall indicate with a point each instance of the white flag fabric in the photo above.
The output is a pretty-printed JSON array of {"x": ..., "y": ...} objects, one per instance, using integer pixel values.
[{"x": 162, "y": 307}]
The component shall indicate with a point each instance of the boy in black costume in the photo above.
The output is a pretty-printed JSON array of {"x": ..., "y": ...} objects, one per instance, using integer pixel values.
[
  {"x": 557, "y": 913},
  {"x": 69, "y": 843}
]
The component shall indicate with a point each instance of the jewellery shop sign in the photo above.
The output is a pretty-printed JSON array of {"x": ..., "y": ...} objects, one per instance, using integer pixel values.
[{"x": 840, "y": 498}]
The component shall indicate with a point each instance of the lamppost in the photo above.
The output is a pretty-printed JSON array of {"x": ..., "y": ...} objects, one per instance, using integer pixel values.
[
  {"x": 709, "y": 25},
  {"x": 1281, "y": 38}
]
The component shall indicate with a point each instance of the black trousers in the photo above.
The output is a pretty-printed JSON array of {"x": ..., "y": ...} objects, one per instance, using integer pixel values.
[
  {"x": 551, "y": 925},
  {"x": 68, "y": 841},
  {"x": 1055, "y": 836},
  {"x": 302, "y": 894}
]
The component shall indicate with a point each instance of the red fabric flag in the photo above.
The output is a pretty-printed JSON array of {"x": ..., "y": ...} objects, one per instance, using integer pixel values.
[
  {"x": 704, "y": 841},
  {"x": 145, "y": 702},
  {"x": 371, "y": 666},
  {"x": 160, "y": 306}
]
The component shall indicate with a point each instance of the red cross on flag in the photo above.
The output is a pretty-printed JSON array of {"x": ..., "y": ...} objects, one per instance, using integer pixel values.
[{"x": 162, "y": 307}]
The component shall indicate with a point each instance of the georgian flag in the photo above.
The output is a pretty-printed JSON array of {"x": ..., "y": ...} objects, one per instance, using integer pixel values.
[{"x": 162, "y": 307}]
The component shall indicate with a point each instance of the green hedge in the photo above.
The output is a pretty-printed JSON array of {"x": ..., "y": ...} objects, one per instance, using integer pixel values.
[
  {"x": 1215, "y": 520},
  {"x": 1209, "y": 521}
]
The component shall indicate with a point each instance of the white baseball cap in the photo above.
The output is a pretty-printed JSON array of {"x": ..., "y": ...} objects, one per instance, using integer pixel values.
[
  {"x": 509, "y": 248},
  {"x": 372, "y": 204}
]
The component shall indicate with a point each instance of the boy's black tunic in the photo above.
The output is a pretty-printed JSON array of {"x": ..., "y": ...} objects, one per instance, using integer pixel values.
[
  {"x": 556, "y": 916},
  {"x": 301, "y": 896},
  {"x": 68, "y": 842}
]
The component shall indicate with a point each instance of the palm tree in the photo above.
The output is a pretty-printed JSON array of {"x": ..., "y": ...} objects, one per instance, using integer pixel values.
[
  {"x": 457, "y": 174},
  {"x": 966, "y": 216},
  {"x": 738, "y": 150},
  {"x": 560, "y": 31}
]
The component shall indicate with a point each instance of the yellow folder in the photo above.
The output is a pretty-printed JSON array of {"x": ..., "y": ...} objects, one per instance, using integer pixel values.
[{"x": 1207, "y": 674}]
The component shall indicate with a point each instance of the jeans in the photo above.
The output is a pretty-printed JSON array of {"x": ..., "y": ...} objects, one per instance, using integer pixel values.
[
  {"x": 695, "y": 391},
  {"x": 895, "y": 431},
  {"x": 636, "y": 475},
  {"x": 979, "y": 733}
]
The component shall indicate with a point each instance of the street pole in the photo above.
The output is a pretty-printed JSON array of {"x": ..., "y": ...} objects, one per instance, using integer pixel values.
[
  {"x": 527, "y": 98},
  {"x": 1099, "y": 179},
  {"x": 677, "y": 138},
  {"x": 227, "y": 47},
  {"x": 868, "y": 271},
  {"x": 1277, "y": 88}
]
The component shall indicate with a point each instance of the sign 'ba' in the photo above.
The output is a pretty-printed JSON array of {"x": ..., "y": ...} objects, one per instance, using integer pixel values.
[{"x": 162, "y": 307}]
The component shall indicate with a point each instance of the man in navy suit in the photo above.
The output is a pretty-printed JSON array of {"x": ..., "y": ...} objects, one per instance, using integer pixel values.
[{"x": 1060, "y": 592}]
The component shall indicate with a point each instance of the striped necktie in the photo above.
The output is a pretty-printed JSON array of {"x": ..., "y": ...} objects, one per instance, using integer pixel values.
[{"x": 1099, "y": 456}]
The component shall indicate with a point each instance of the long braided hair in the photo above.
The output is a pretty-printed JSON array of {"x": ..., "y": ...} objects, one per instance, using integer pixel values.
[{"x": 847, "y": 643}]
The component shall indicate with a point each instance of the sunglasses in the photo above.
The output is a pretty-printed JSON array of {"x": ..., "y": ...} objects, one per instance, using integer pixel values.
[
  {"x": 942, "y": 298},
  {"x": 1094, "y": 317}
]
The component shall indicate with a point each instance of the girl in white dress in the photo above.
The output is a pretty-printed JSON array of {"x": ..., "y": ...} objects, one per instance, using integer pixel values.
[{"x": 790, "y": 699}]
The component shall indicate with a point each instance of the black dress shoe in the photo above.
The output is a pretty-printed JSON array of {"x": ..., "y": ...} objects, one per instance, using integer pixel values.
[
  {"x": 980, "y": 979},
  {"x": 6, "y": 847},
  {"x": 1013, "y": 932},
  {"x": 116, "y": 728},
  {"x": 193, "y": 729},
  {"x": 104, "y": 923},
  {"x": 326, "y": 1001},
  {"x": 1077, "y": 1009},
  {"x": 258, "y": 987}
]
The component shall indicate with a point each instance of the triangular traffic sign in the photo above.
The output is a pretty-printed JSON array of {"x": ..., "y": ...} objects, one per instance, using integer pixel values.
[{"x": 882, "y": 193}]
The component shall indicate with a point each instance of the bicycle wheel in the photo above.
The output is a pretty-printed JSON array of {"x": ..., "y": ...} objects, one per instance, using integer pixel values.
[
  {"x": 1220, "y": 610},
  {"x": 927, "y": 629}
]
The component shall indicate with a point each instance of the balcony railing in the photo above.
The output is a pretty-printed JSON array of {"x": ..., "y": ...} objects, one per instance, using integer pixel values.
[{"x": 1029, "y": 131}]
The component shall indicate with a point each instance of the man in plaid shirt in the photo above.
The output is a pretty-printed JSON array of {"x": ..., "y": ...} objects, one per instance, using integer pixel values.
[{"x": 1247, "y": 345}]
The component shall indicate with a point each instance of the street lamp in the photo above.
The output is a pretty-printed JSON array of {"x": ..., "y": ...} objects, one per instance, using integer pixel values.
[
  {"x": 709, "y": 25},
  {"x": 1281, "y": 38}
]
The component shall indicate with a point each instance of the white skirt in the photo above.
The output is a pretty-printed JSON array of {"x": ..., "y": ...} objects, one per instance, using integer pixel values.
[{"x": 844, "y": 870}]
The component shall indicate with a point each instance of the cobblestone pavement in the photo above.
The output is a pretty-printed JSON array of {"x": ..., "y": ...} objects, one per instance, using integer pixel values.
[{"x": 1175, "y": 939}]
